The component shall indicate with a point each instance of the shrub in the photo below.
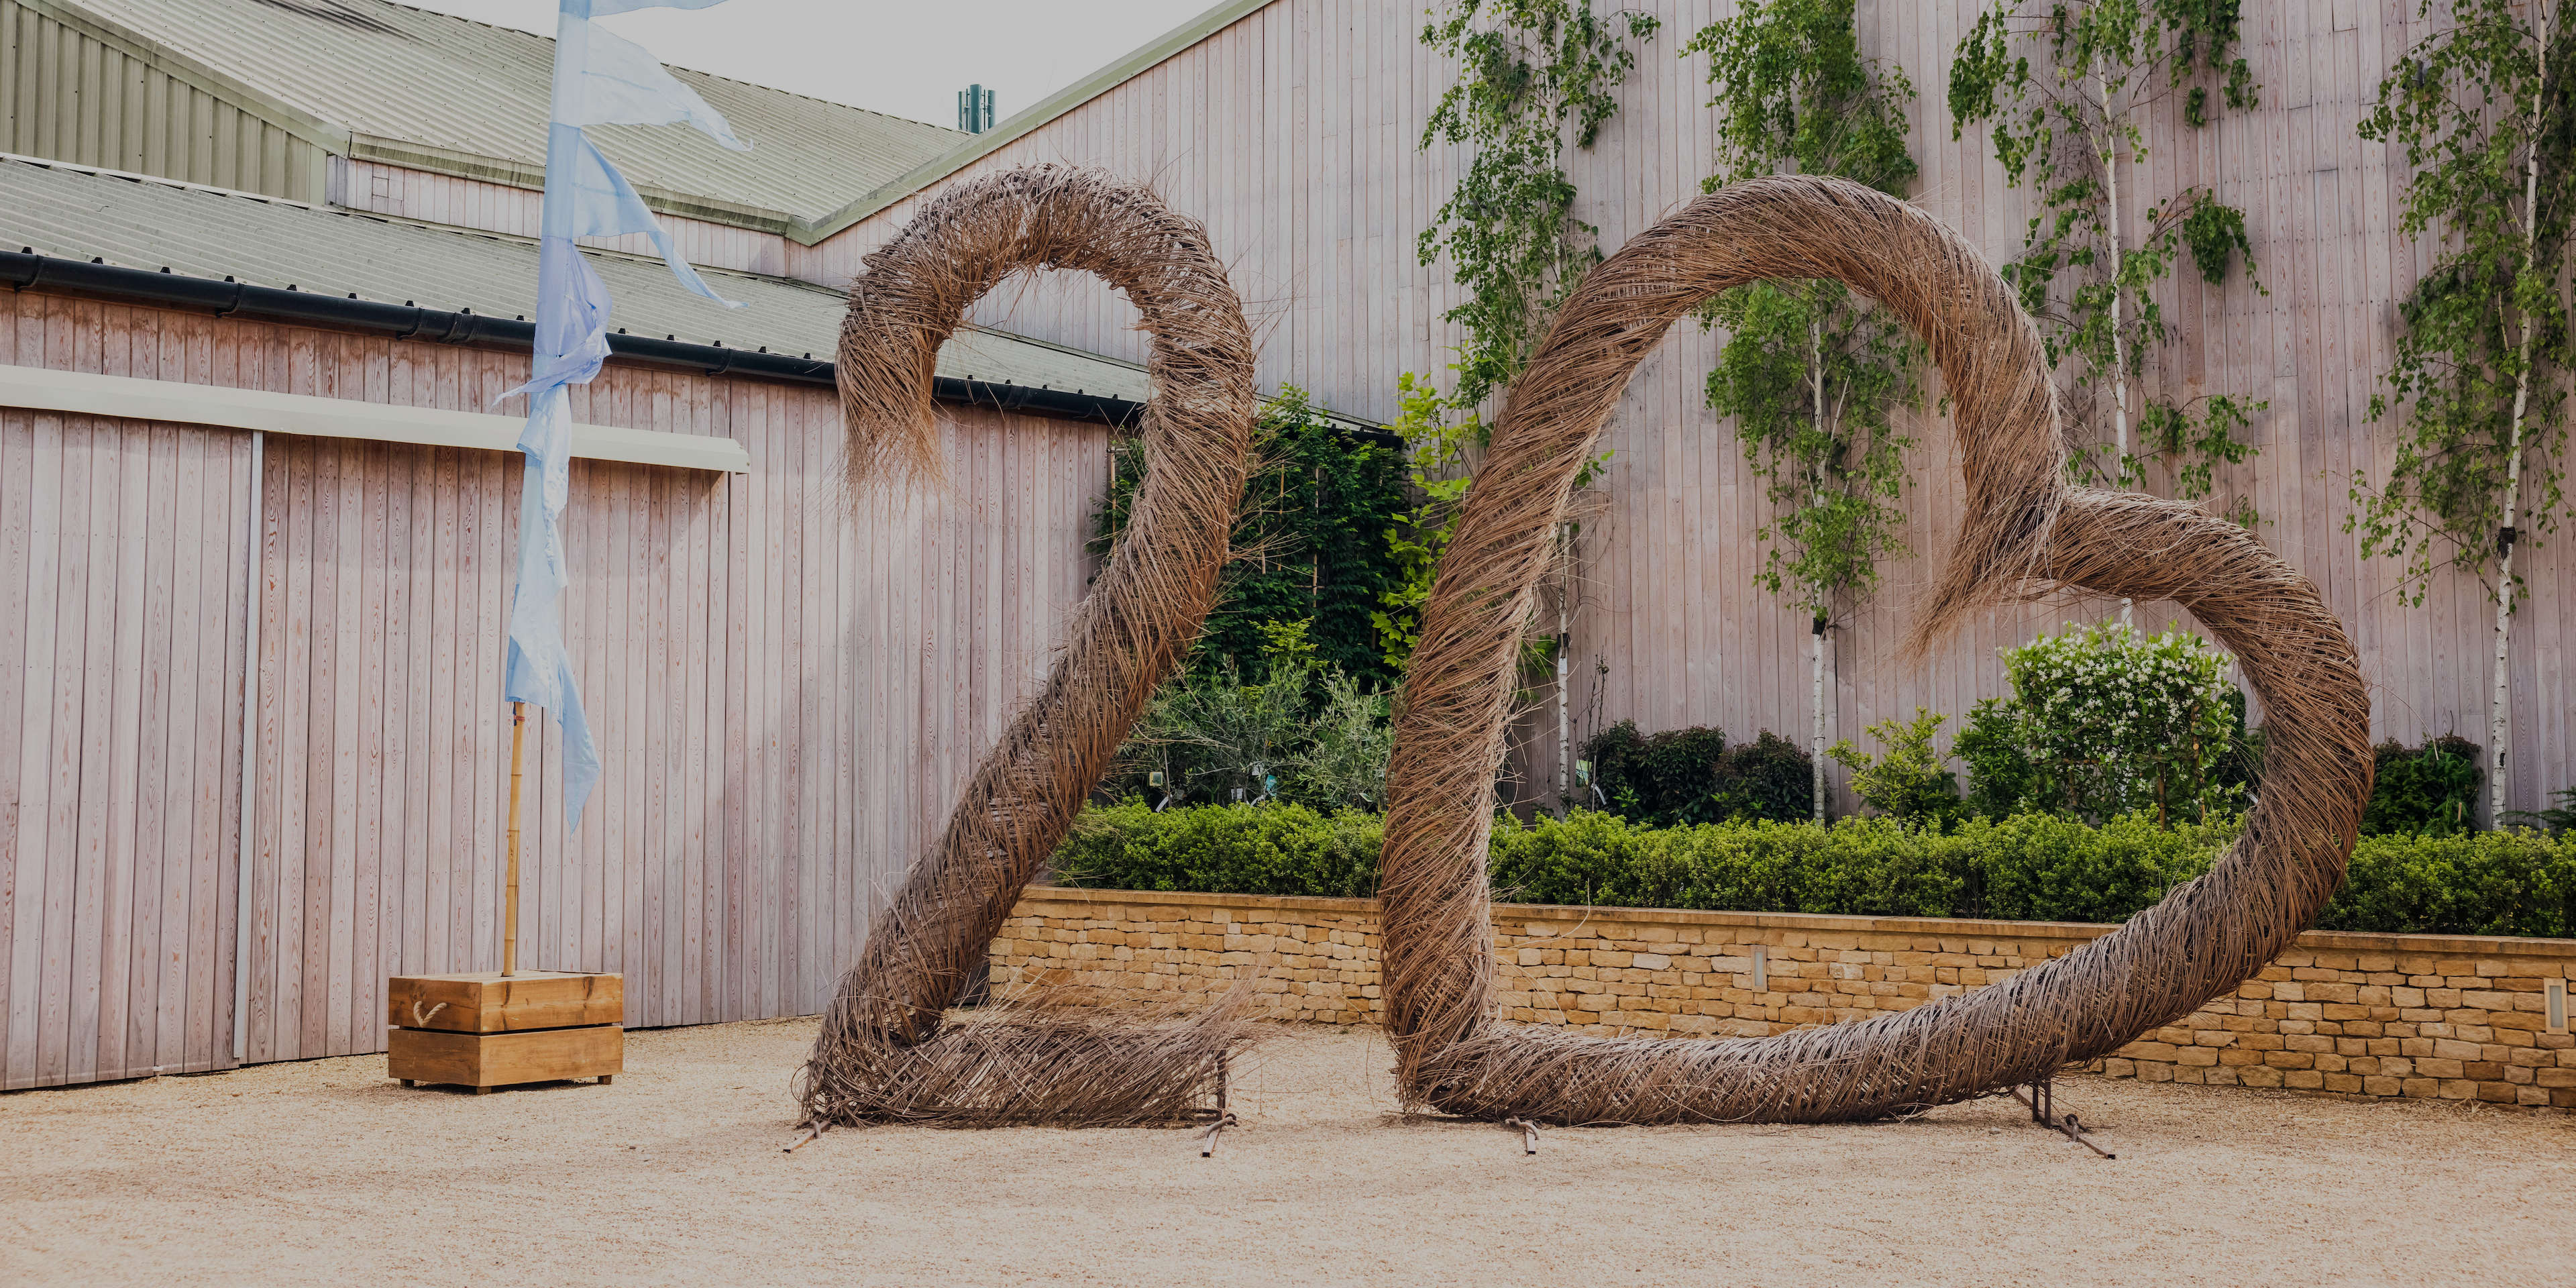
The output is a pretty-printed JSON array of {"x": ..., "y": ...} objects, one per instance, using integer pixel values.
[
  {"x": 1907, "y": 782},
  {"x": 1769, "y": 778},
  {"x": 1660, "y": 781},
  {"x": 1691, "y": 776},
  {"x": 2514, "y": 882},
  {"x": 2113, "y": 722},
  {"x": 1222, "y": 849},
  {"x": 1999, "y": 773},
  {"x": 2430, "y": 790},
  {"x": 2030, "y": 867}
]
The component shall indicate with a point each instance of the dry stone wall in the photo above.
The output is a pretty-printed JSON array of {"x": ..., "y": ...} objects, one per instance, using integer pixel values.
[{"x": 2394, "y": 1016}]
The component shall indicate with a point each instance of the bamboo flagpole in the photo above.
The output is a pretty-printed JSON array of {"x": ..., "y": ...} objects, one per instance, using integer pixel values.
[
  {"x": 510, "y": 884},
  {"x": 600, "y": 78}
]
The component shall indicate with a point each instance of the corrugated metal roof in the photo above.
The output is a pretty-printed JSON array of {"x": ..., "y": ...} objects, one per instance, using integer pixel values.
[
  {"x": 427, "y": 88},
  {"x": 76, "y": 212}
]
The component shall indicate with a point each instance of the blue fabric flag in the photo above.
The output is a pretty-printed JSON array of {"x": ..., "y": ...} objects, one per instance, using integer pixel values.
[{"x": 600, "y": 79}]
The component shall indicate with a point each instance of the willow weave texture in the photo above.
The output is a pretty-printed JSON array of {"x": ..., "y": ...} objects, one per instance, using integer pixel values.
[
  {"x": 886, "y": 1052},
  {"x": 2028, "y": 532}
]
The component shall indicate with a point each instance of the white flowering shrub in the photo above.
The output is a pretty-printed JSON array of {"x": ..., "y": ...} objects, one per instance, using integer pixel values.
[{"x": 2111, "y": 722}]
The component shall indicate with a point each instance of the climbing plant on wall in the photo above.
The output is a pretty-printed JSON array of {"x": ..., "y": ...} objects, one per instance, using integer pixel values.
[
  {"x": 1535, "y": 77},
  {"x": 2067, "y": 88},
  {"x": 1810, "y": 371},
  {"x": 2484, "y": 110}
]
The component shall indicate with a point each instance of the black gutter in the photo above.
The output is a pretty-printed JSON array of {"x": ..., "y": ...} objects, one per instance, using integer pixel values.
[{"x": 25, "y": 270}]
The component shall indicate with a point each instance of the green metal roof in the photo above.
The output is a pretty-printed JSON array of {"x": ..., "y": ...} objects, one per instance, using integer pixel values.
[
  {"x": 368, "y": 78},
  {"x": 78, "y": 212}
]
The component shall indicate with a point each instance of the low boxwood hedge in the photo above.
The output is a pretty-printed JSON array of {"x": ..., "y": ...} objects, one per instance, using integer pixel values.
[{"x": 2030, "y": 867}]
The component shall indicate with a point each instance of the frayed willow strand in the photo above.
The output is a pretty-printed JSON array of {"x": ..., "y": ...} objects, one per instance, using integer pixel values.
[
  {"x": 885, "y": 1052},
  {"x": 2027, "y": 532}
]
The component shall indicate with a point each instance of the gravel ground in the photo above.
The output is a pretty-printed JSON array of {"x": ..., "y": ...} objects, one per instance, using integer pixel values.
[{"x": 325, "y": 1172}]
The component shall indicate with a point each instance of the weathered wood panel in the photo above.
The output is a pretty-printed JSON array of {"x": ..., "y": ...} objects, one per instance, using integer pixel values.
[
  {"x": 1293, "y": 133},
  {"x": 120, "y": 664},
  {"x": 477, "y": 203},
  {"x": 787, "y": 696}
]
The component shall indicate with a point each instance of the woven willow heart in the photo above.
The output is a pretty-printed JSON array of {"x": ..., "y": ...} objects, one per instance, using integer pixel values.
[{"x": 2027, "y": 531}]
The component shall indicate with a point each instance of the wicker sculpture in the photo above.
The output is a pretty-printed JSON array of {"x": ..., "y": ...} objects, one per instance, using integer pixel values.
[
  {"x": 884, "y": 1053},
  {"x": 2027, "y": 531}
]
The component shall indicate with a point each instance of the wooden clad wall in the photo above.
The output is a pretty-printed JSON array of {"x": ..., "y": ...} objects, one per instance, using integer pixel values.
[
  {"x": 786, "y": 698},
  {"x": 1293, "y": 133},
  {"x": 504, "y": 208},
  {"x": 120, "y": 740},
  {"x": 70, "y": 95}
]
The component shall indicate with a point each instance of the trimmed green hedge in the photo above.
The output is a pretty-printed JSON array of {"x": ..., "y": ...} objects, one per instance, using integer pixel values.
[{"x": 2031, "y": 867}]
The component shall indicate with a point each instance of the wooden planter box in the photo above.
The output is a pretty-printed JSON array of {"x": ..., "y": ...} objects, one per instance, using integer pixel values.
[{"x": 485, "y": 1030}]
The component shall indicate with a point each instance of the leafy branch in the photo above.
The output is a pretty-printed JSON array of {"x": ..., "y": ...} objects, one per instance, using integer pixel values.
[
  {"x": 2088, "y": 266},
  {"x": 1535, "y": 76}
]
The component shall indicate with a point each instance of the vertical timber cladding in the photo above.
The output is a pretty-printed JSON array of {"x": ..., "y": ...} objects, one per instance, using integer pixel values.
[
  {"x": 1234, "y": 128},
  {"x": 69, "y": 92},
  {"x": 120, "y": 743},
  {"x": 787, "y": 697}
]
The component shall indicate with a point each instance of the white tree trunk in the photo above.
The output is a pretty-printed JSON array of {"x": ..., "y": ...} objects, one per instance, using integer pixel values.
[
  {"x": 2119, "y": 344},
  {"x": 1564, "y": 708},
  {"x": 1816, "y": 743},
  {"x": 2499, "y": 722},
  {"x": 1816, "y": 695}
]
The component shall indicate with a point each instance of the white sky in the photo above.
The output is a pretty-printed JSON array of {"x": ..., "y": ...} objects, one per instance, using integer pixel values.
[{"x": 905, "y": 59}]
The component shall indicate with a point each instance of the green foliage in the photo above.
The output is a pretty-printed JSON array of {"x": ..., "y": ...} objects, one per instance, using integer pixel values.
[
  {"x": 1307, "y": 732},
  {"x": 1222, "y": 849},
  {"x": 1810, "y": 376},
  {"x": 1810, "y": 371},
  {"x": 1212, "y": 735},
  {"x": 1343, "y": 761},
  {"x": 1906, "y": 782},
  {"x": 1794, "y": 93},
  {"x": 2430, "y": 790},
  {"x": 2031, "y": 867},
  {"x": 2483, "y": 343},
  {"x": 1436, "y": 451},
  {"x": 2512, "y": 882},
  {"x": 1693, "y": 776},
  {"x": 1767, "y": 778},
  {"x": 2115, "y": 722},
  {"x": 2088, "y": 264},
  {"x": 2000, "y": 775},
  {"x": 1534, "y": 76},
  {"x": 1311, "y": 546},
  {"x": 2556, "y": 820}
]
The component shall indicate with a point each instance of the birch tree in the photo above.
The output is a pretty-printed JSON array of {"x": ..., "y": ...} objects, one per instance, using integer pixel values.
[
  {"x": 2066, "y": 88},
  {"x": 2483, "y": 110},
  {"x": 1809, "y": 370}
]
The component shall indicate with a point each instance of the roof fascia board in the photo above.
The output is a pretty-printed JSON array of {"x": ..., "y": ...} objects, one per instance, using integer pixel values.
[
  {"x": 83, "y": 394},
  {"x": 532, "y": 176},
  {"x": 297, "y": 121},
  {"x": 1027, "y": 122}
]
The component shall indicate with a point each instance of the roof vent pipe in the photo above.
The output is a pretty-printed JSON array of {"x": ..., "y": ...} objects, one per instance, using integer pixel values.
[{"x": 974, "y": 109}]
